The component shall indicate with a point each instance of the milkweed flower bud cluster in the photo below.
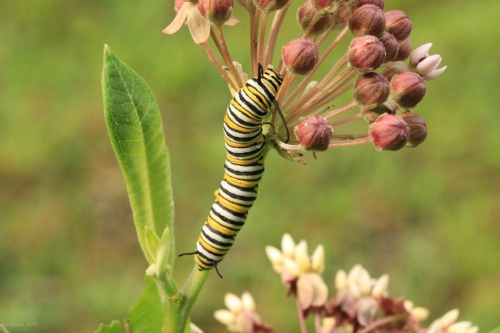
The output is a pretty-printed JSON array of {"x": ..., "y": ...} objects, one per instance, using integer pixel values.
[
  {"x": 378, "y": 68},
  {"x": 352, "y": 301}
]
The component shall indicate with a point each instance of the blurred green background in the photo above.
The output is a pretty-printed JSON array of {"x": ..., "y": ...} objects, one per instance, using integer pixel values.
[{"x": 69, "y": 258}]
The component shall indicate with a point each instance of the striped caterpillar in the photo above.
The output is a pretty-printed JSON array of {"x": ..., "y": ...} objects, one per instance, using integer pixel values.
[{"x": 243, "y": 168}]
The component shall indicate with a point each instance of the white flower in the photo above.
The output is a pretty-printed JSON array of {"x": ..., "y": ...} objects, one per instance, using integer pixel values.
[
  {"x": 425, "y": 64},
  {"x": 293, "y": 261},
  {"x": 447, "y": 324},
  {"x": 359, "y": 283},
  {"x": 190, "y": 14},
  {"x": 241, "y": 316}
]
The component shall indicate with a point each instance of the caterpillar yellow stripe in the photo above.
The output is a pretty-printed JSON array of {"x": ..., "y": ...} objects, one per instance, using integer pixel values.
[{"x": 243, "y": 168}]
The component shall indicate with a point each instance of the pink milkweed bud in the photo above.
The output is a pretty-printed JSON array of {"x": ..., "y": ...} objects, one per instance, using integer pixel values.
[
  {"x": 314, "y": 133},
  {"x": 395, "y": 67},
  {"x": 418, "y": 128},
  {"x": 248, "y": 4},
  {"x": 323, "y": 5},
  {"x": 370, "y": 115},
  {"x": 407, "y": 89},
  {"x": 398, "y": 24},
  {"x": 340, "y": 17},
  {"x": 306, "y": 13},
  {"x": 216, "y": 11},
  {"x": 348, "y": 2},
  {"x": 391, "y": 46},
  {"x": 300, "y": 56},
  {"x": 378, "y": 3},
  {"x": 404, "y": 50},
  {"x": 371, "y": 89},
  {"x": 367, "y": 20},
  {"x": 268, "y": 6},
  {"x": 389, "y": 132},
  {"x": 366, "y": 53}
]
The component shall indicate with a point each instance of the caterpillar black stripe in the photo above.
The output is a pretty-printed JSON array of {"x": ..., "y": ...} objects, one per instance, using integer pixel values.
[{"x": 243, "y": 167}]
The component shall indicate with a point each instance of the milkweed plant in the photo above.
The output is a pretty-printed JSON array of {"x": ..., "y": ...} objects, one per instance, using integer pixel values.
[{"x": 386, "y": 78}]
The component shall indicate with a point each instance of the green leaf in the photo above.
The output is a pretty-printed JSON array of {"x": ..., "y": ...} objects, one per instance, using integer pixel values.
[
  {"x": 114, "y": 327},
  {"x": 136, "y": 131},
  {"x": 146, "y": 316},
  {"x": 496, "y": 330},
  {"x": 163, "y": 254},
  {"x": 152, "y": 241}
]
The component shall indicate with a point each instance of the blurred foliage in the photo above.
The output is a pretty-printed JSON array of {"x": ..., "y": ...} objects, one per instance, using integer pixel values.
[{"x": 68, "y": 251}]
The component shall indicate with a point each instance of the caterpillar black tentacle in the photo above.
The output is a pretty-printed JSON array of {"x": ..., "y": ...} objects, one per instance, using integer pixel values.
[{"x": 243, "y": 168}]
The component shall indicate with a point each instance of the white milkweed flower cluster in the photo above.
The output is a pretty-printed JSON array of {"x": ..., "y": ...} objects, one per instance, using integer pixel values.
[
  {"x": 240, "y": 316},
  {"x": 301, "y": 271},
  {"x": 359, "y": 283},
  {"x": 360, "y": 303}
]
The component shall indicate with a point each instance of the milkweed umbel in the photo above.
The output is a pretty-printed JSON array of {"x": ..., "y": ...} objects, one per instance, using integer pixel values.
[{"x": 243, "y": 167}]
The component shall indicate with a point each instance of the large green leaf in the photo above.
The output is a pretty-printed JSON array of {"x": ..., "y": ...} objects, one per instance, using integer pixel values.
[
  {"x": 135, "y": 127},
  {"x": 146, "y": 316}
]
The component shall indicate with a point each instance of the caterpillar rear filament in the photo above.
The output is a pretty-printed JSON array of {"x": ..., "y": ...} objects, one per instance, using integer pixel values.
[{"x": 243, "y": 168}]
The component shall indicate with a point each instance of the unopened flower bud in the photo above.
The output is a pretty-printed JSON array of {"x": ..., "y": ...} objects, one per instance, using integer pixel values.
[
  {"x": 418, "y": 128},
  {"x": 340, "y": 17},
  {"x": 395, "y": 67},
  {"x": 300, "y": 56},
  {"x": 389, "y": 132},
  {"x": 371, "y": 115},
  {"x": 348, "y": 2},
  {"x": 371, "y": 89},
  {"x": 391, "y": 46},
  {"x": 314, "y": 133},
  {"x": 398, "y": 24},
  {"x": 268, "y": 6},
  {"x": 248, "y": 4},
  {"x": 323, "y": 5},
  {"x": 366, "y": 53},
  {"x": 216, "y": 11},
  {"x": 378, "y": 3},
  {"x": 367, "y": 20},
  {"x": 404, "y": 50},
  {"x": 306, "y": 14},
  {"x": 407, "y": 89}
]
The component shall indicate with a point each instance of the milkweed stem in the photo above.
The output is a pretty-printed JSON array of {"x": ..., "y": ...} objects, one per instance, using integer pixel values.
[{"x": 219, "y": 67}]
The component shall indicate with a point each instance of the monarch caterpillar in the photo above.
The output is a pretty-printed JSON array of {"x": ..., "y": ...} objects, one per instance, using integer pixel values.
[{"x": 243, "y": 168}]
